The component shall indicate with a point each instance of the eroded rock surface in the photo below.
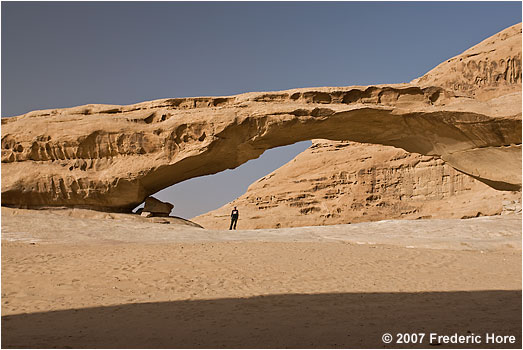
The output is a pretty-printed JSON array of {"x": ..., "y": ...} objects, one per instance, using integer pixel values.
[
  {"x": 334, "y": 183},
  {"x": 490, "y": 69},
  {"x": 157, "y": 207},
  {"x": 109, "y": 157}
]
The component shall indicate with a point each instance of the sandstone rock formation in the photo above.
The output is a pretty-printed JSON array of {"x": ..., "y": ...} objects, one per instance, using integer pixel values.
[
  {"x": 157, "y": 207},
  {"x": 109, "y": 157},
  {"x": 346, "y": 182},
  {"x": 15, "y": 222},
  {"x": 490, "y": 69}
]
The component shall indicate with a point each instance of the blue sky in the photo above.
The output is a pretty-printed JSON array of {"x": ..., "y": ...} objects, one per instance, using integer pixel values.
[{"x": 62, "y": 54}]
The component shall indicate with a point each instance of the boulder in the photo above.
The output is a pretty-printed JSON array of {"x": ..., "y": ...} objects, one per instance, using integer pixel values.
[{"x": 157, "y": 207}]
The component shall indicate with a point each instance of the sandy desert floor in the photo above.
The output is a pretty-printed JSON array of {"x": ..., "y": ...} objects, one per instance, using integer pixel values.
[{"x": 92, "y": 280}]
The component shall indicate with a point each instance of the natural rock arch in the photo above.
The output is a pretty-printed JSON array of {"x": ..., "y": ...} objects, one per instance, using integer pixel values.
[
  {"x": 112, "y": 157},
  {"x": 108, "y": 157}
]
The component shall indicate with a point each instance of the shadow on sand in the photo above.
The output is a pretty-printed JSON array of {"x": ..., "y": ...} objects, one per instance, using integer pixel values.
[{"x": 349, "y": 320}]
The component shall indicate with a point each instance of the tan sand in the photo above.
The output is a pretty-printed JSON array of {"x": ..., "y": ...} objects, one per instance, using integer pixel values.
[{"x": 149, "y": 293}]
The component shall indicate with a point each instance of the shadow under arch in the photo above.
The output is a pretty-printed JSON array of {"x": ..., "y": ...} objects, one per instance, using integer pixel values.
[{"x": 335, "y": 320}]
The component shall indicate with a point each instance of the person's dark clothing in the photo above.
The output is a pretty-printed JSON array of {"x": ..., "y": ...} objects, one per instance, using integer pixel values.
[{"x": 234, "y": 219}]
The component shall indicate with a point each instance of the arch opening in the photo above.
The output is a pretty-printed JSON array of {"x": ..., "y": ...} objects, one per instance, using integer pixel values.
[
  {"x": 203, "y": 194},
  {"x": 339, "y": 182}
]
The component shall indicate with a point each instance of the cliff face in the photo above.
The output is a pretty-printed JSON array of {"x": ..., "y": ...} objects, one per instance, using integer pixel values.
[
  {"x": 345, "y": 182},
  {"x": 110, "y": 157}
]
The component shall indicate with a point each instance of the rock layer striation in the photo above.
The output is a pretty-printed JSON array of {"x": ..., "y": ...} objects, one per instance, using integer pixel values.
[{"x": 334, "y": 183}]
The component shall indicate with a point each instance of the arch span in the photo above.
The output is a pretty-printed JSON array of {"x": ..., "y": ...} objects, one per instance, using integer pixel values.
[{"x": 113, "y": 157}]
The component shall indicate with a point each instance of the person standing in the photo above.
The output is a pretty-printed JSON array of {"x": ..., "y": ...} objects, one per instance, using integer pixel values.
[{"x": 234, "y": 218}]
